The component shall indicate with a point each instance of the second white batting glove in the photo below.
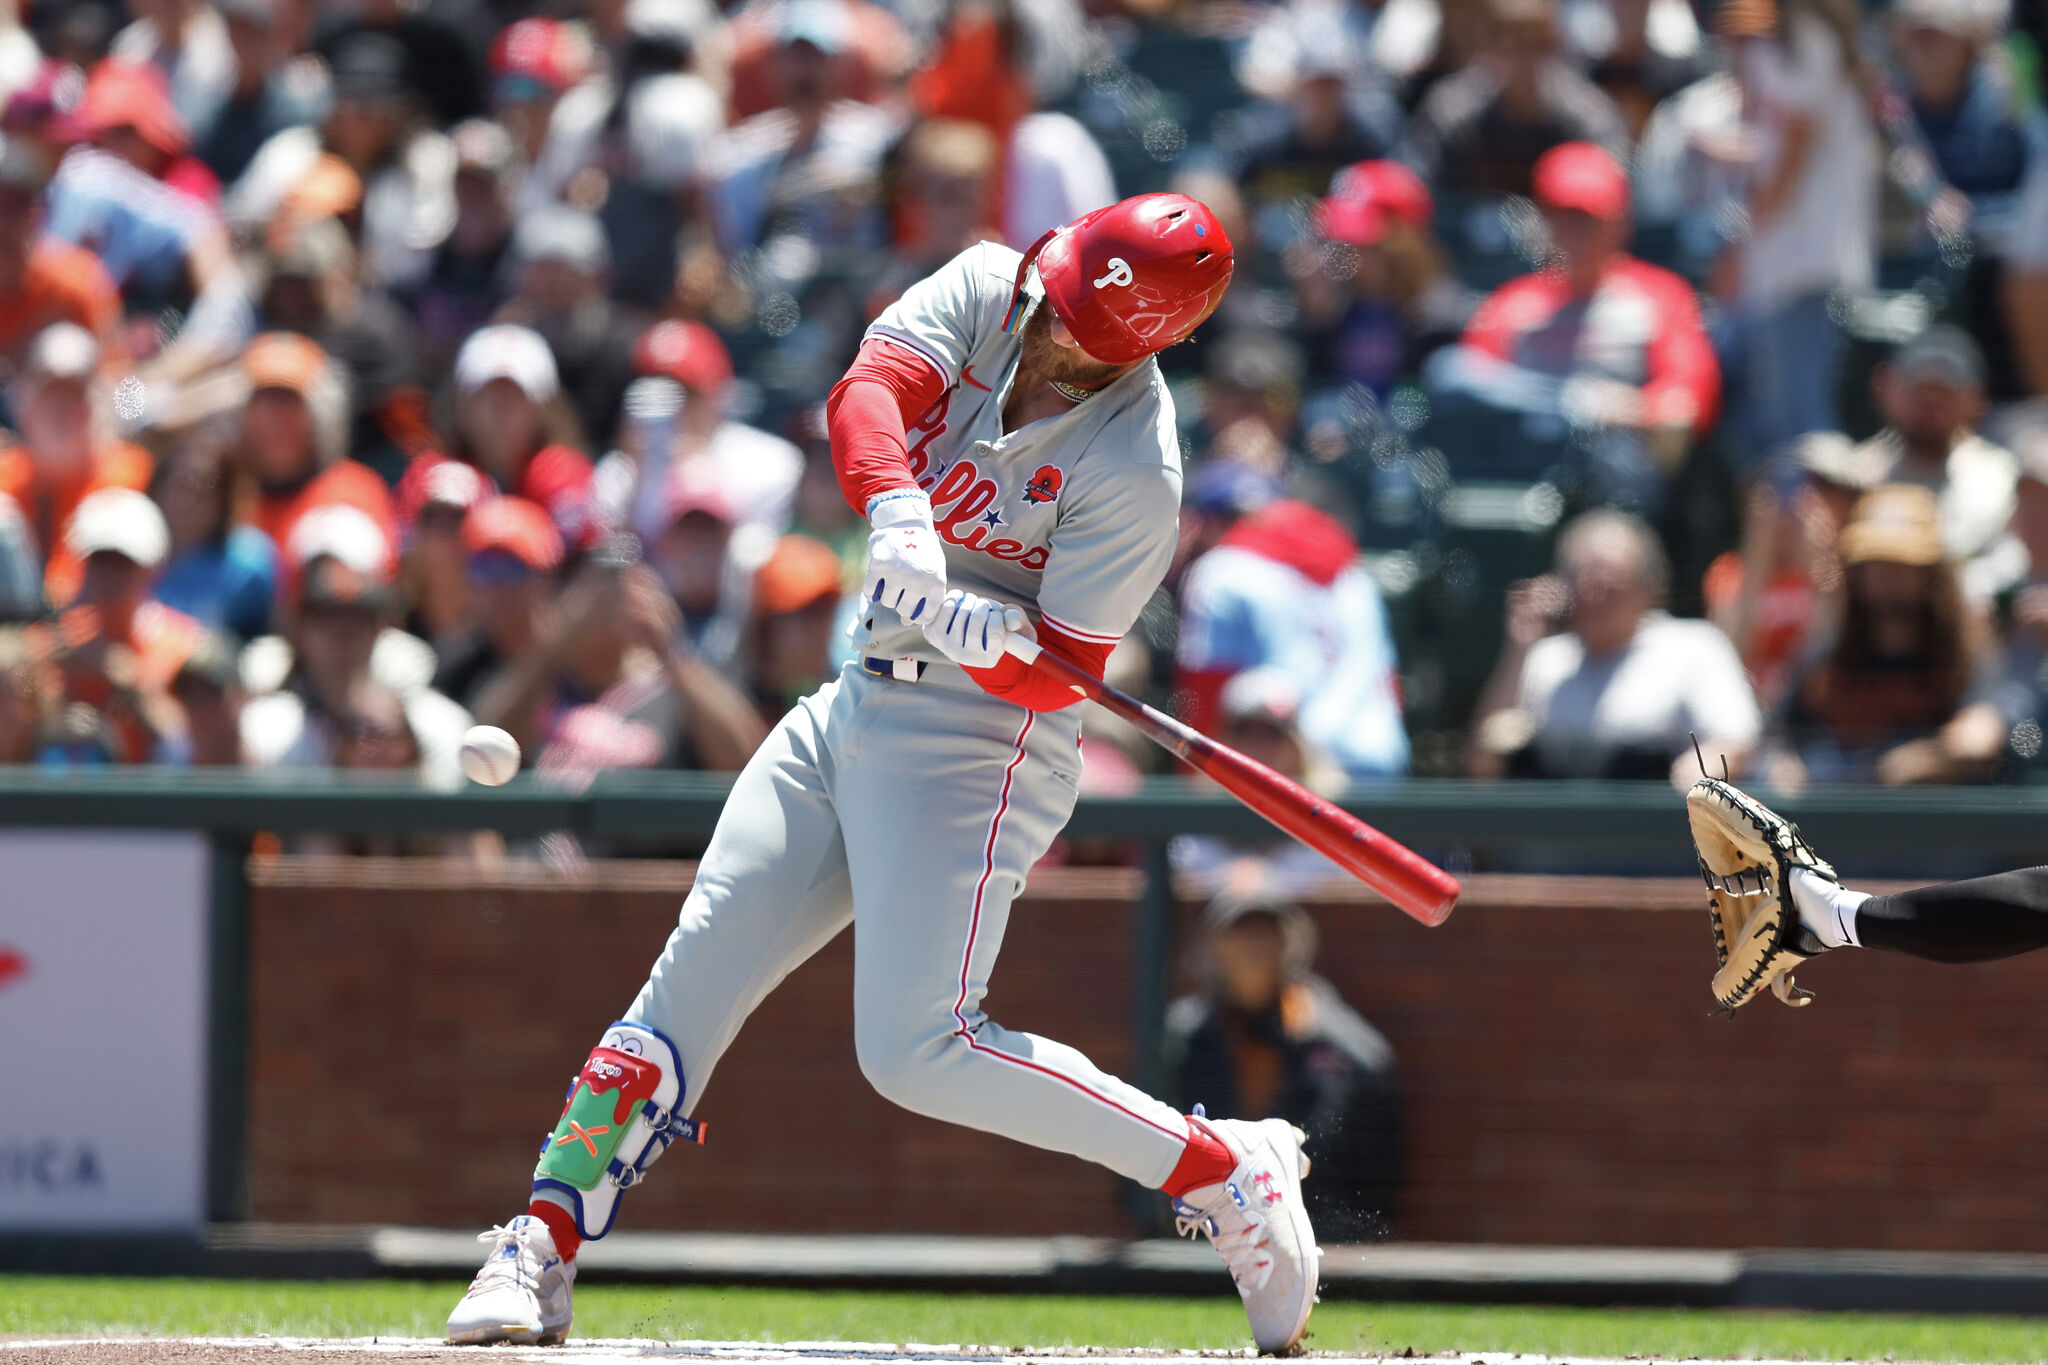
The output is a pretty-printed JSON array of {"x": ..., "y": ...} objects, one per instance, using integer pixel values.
[
  {"x": 906, "y": 562},
  {"x": 975, "y": 631}
]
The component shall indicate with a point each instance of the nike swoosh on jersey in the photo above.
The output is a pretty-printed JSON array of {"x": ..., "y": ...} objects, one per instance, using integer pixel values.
[{"x": 967, "y": 377}]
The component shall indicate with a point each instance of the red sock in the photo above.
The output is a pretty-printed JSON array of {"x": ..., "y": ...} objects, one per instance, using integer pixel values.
[
  {"x": 1206, "y": 1160},
  {"x": 561, "y": 1226}
]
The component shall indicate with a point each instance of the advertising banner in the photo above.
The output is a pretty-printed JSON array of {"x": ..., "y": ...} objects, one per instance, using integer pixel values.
[{"x": 103, "y": 1025}]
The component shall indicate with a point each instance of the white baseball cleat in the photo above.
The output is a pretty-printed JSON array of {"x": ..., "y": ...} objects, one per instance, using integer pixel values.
[
  {"x": 522, "y": 1293},
  {"x": 1256, "y": 1220}
]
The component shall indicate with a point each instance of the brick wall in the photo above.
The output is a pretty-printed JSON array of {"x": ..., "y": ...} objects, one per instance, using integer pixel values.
[{"x": 413, "y": 1027}]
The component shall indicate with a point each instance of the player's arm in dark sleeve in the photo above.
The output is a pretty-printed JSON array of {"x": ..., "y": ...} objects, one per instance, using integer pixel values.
[{"x": 1979, "y": 920}]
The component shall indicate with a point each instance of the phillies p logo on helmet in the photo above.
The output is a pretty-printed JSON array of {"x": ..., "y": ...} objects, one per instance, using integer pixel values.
[
  {"x": 1119, "y": 273},
  {"x": 1044, "y": 485},
  {"x": 1131, "y": 279}
]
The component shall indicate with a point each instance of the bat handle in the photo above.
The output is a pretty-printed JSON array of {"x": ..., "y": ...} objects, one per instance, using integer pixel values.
[{"x": 1023, "y": 647}]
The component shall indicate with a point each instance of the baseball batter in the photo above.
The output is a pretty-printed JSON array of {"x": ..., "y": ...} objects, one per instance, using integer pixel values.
[{"x": 1012, "y": 443}]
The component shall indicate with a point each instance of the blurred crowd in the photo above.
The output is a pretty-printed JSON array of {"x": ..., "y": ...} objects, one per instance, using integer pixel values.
[{"x": 1596, "y": 373}]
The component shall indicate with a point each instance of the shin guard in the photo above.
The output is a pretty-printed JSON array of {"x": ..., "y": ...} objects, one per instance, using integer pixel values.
[{"x": 622, "y": 1113}]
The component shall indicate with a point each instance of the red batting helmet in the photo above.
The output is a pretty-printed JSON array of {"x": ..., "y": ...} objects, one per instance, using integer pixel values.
[{"x": 1133, "y": 278}]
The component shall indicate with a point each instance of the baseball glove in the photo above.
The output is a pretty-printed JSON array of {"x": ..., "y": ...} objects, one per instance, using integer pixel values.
[{"x": 1746, "y": 855}]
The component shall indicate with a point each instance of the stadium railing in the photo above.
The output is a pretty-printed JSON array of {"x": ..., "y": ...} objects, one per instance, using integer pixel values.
[{"x": 1557, "y": 826}]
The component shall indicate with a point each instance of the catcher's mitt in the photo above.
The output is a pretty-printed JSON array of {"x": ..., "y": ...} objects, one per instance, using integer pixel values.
[{"x": 1746, "y": 855}]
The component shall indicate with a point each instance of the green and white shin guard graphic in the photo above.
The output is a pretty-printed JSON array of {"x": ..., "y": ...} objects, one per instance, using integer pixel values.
[{"x": 620, "y": 1115}]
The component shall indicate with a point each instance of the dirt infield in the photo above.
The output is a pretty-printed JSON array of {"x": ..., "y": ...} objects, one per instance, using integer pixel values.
[{"x": 415, "y": 1351}]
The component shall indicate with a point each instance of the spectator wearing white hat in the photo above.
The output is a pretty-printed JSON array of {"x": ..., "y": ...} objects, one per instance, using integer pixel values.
[
  {"x": 116, "y": 647},
  {"x": 561, "y": 268},
  {"x": 513, "y": 425},
  {"x": 65, "y": 447},
  {"x": 338, "y": 610}
]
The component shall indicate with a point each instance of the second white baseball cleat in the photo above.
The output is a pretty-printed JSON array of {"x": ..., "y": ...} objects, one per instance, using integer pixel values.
[
  {"x": 1257, "y": 1221},
  {"x": 522, "y": 1293}
]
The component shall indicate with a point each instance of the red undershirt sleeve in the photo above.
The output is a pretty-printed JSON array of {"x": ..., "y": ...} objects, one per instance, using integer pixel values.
[
  {"x": 1033, "y": 687},
  {"x": 886, "y": 389}
]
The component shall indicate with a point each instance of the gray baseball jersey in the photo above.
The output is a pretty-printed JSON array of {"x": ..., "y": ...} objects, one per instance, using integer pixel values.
[
  {"x": 914, "y": 806},
  {"x": 1073, "y": 515}
]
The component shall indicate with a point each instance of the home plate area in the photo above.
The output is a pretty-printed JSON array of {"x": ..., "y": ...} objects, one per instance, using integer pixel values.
[{"x": 347, "y": 1351}]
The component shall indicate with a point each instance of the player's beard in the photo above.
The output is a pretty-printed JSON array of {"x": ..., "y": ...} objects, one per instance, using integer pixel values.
[{"x": 1049, "y": 360}]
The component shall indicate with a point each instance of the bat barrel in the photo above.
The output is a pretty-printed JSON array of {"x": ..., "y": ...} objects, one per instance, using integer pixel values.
[
  {"x": 1405, "y": 877},
  {"x": 1418, "y": 887}
]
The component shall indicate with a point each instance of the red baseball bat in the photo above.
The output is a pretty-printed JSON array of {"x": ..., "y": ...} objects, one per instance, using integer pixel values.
[{"x": 1419, "y": 887}]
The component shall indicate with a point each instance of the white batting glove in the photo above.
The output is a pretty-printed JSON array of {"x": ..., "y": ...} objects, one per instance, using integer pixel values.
[
  {"x": 906, "y": 562},
  {"x": 974, "y": 631}
]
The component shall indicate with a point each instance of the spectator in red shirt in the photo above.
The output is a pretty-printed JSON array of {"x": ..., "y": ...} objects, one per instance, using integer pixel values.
[
  {"x": 513, "y": 424},
  {"x": 294, "y": 432},
  {"x": 1611, "y": 343}
]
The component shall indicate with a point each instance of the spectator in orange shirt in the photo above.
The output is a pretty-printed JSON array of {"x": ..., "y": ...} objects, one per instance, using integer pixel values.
[
  {"x": 44, "y": 280},
  {"x": 294, "y": 432},
  {"x": 1610, "y": 343},
  {"x": 64, "y": 452},
  {"x": 117, "y": 648}
]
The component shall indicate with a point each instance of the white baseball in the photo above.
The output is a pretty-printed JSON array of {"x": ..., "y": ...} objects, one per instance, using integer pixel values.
[{"x": 489, "y": 755}]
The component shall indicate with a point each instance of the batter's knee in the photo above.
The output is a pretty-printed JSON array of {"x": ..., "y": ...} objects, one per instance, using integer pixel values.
[{"x": 904, "y": 1054}]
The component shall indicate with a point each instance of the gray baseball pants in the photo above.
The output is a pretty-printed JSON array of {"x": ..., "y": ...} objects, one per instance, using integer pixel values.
[{"x": 915, "y": 810}]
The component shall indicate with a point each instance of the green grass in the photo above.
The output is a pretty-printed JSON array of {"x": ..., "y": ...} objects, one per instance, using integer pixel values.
[{"x": 37, "y": 1305}]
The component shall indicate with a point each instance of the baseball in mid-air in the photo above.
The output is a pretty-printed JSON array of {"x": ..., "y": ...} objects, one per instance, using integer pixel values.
[{"x": 489, "y": 755}]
